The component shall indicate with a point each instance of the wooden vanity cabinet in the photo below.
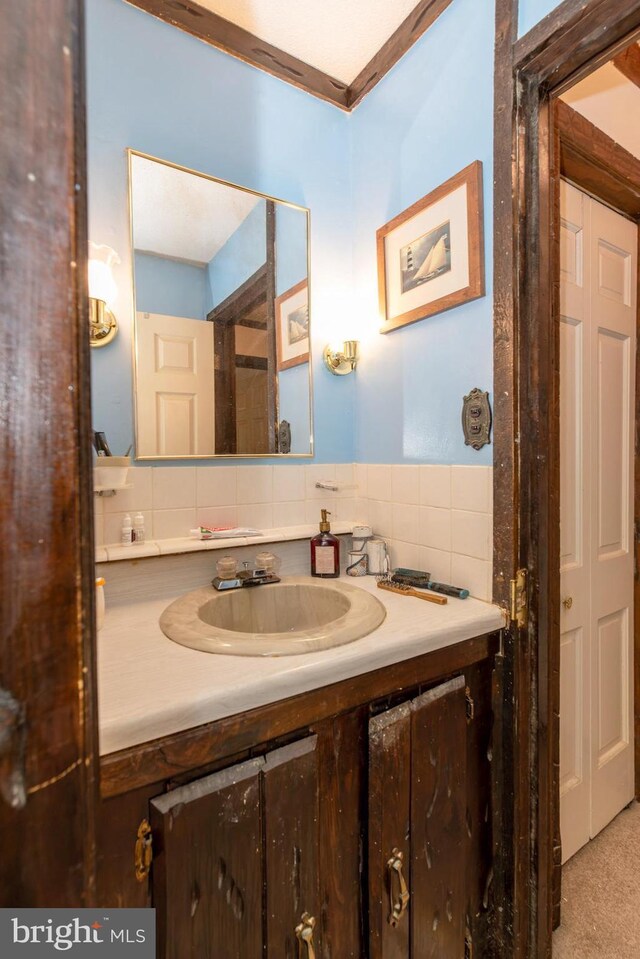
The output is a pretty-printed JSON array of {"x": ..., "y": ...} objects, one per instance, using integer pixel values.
[
  {"x": 363, "y": 834},
  {"x": 224, "y": 842},
  {"x": 418, "y": 833}
]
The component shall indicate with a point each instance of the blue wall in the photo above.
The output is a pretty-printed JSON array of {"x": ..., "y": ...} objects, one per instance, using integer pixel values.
[
  {"x": 531, "y": 12},
  {"x": 217, "y": 115},
  {"x": 430, "y": 117},
  {"x": 427, "y": 119},
  {"x": 244, "y": 252},
  {"x": 171, "y": 287}
]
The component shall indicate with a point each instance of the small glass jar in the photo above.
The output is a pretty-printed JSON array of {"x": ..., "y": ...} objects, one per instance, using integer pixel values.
[
  {"x": 269, "y": 562},
  {"x": 226, "y": 567}
]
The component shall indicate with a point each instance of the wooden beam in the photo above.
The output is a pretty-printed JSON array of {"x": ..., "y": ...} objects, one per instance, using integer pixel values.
[
  {"x": 510, "y": 779},
  {"x": 410, "y": 30},
  {"x": 628, "y": 63},
  {"x": 576, "y": 38},
  {"x": 206, "y": 25},
  {"x": 47, "y": 635},
  {"x": 232, "y": 39},
  {"x": 596, "y": 162}
]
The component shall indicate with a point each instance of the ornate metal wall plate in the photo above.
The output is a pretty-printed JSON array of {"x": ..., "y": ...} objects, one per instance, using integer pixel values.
[
  {"x": 284, "y": 437},
  {"x": 476, "y": 419}
]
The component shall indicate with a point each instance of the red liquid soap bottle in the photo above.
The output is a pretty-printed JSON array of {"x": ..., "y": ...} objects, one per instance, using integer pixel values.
[{"x": 325, "y": 551}]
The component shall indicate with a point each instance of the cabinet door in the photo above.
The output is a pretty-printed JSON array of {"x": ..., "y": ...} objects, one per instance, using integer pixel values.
[
  {"x": 389, "y": 831},
  {"x": 291, "y": 816},
  {"x": 207, "y": 871},
  {"x": 418, "y": 833},
  {"x": 439, "y": 833}
]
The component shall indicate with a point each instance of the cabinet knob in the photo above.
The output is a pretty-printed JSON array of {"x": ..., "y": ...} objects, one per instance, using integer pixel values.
[
  {"x": 304, "y": 935},
  {"x": 397, "y": 906},
  {"x": 567, "y": 602}
]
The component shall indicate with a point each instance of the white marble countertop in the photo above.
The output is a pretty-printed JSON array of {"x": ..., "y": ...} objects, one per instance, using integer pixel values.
[{"x": 148, "y": 686}]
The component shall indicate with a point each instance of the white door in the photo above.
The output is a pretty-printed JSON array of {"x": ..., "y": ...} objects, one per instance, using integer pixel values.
[
  {"x": 174, "y": 390},
  {"x": 598, "y": 257}
]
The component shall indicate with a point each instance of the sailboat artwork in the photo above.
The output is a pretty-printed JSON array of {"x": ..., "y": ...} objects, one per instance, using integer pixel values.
[{"x": 426, "y": 258}]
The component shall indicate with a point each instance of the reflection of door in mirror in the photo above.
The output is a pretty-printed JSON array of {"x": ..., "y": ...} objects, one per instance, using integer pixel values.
[
  {"x": 245, "y": 357},
  {"x": 175, "y": 386}
]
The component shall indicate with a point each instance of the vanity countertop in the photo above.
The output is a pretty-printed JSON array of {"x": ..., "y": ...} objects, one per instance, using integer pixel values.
[{"x": 149, "y": 686}]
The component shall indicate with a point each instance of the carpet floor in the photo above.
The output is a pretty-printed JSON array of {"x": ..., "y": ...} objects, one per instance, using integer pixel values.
[{"x": 601, "y": 895}]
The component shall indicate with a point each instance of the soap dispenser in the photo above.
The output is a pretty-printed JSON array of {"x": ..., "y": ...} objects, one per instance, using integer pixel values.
[{"x": 325, "y": 551}]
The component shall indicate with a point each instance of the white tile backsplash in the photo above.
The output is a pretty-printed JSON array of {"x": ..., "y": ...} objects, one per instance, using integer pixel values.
[
  {"x": 174, "y": 487},
  {"x": 289, "y": 514},
  {"x": 435, "y": 486},
  {"x": 170, "y": 523},
  {"x": 255, "y": 484},
  {"x": 217, "y": 486},
  {"x": 288, "y": 484},
  {"x": 139, "y": 497},
  {"x": 471, "y": 488},
  {"x": 435, "y": 527},
  {"x": 436, "y": 518},
  {"x": 217, "y": 516},
  {"x": 471, "y": 533},
  {"x": 405, "y": 484},
  {"x": 379, "y": 483},
  {"x": 404, "y": 522}
]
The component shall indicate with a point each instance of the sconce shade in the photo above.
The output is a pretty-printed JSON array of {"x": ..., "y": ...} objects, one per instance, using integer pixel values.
[{"x": 102, "y": 294}]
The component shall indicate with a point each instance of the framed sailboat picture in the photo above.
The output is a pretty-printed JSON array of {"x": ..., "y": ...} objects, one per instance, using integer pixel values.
[
  {"x": 431, "y": 256},
  {"x": 292, "y": 326}
]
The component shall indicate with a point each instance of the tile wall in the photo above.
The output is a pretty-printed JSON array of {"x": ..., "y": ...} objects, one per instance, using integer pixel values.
[{"x": 437, "y": 518}]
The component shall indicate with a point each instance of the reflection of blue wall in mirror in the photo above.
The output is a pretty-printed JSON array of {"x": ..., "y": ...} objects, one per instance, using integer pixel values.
[
  {"x": 170, "y": 287},
  {"x": 291, "y": 247},
  {"x": 293, "y": 389},
  {"x": 244, "y": 252},
  {"x": 179, "y": 99}
]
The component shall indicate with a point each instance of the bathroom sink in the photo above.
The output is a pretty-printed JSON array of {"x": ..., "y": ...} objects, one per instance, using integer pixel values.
[{"x": 298, "y": 615}]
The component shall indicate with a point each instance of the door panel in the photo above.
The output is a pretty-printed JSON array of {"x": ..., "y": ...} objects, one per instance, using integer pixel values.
[
  {"x": 439, "y": 829},
  {"x": 291, "y": 811},
  {"x": 175, "y": 391},
  {"x": 597, "y": 384},
  {"x": 389, "y": 828},
  {"x": 207, "y": 876},
  {"x": 575, "y": 663}
]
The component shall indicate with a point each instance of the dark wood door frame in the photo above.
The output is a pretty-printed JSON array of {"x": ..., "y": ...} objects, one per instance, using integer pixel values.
[
  {"x": 46, "y": 555},
  {"x": 568, "y": 44}
]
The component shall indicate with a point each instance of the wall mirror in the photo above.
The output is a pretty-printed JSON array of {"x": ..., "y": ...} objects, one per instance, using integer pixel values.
[{"x": 221, "y": 343}]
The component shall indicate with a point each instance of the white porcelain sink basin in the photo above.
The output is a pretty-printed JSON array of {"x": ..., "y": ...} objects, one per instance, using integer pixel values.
[{"x": 298, "y": 615}]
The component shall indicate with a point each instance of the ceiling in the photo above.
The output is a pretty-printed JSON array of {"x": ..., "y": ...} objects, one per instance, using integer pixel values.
[
  {"x": 612, "y": 103},
  {"x": 339, "y": 37},
  {"x": 183, "y": 216}
]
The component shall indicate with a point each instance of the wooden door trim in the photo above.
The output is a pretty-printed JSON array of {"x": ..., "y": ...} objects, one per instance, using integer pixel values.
[
  {"x": 230, "y": 38},
  {"x": 567, "y": 45},
  {"x": 47, "y": 638}
]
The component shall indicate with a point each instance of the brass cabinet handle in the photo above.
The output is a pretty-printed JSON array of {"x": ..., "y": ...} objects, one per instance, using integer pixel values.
[
  {"x": 144, "y": 851},
  {"x": 567, "y": 602},
  {"x": 304, "y": 935},
  {"x": 399, "y": 907}
]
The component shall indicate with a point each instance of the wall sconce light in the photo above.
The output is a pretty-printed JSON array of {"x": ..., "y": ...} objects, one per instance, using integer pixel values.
[
  {"x": 341, "y": 362},
  {"x": 103, "y": 325}
]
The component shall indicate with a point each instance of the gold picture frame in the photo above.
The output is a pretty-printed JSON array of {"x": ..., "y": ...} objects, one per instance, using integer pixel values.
[
  {"x": 431, "y": 256},
  {"x": 292, "y": 326}
]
